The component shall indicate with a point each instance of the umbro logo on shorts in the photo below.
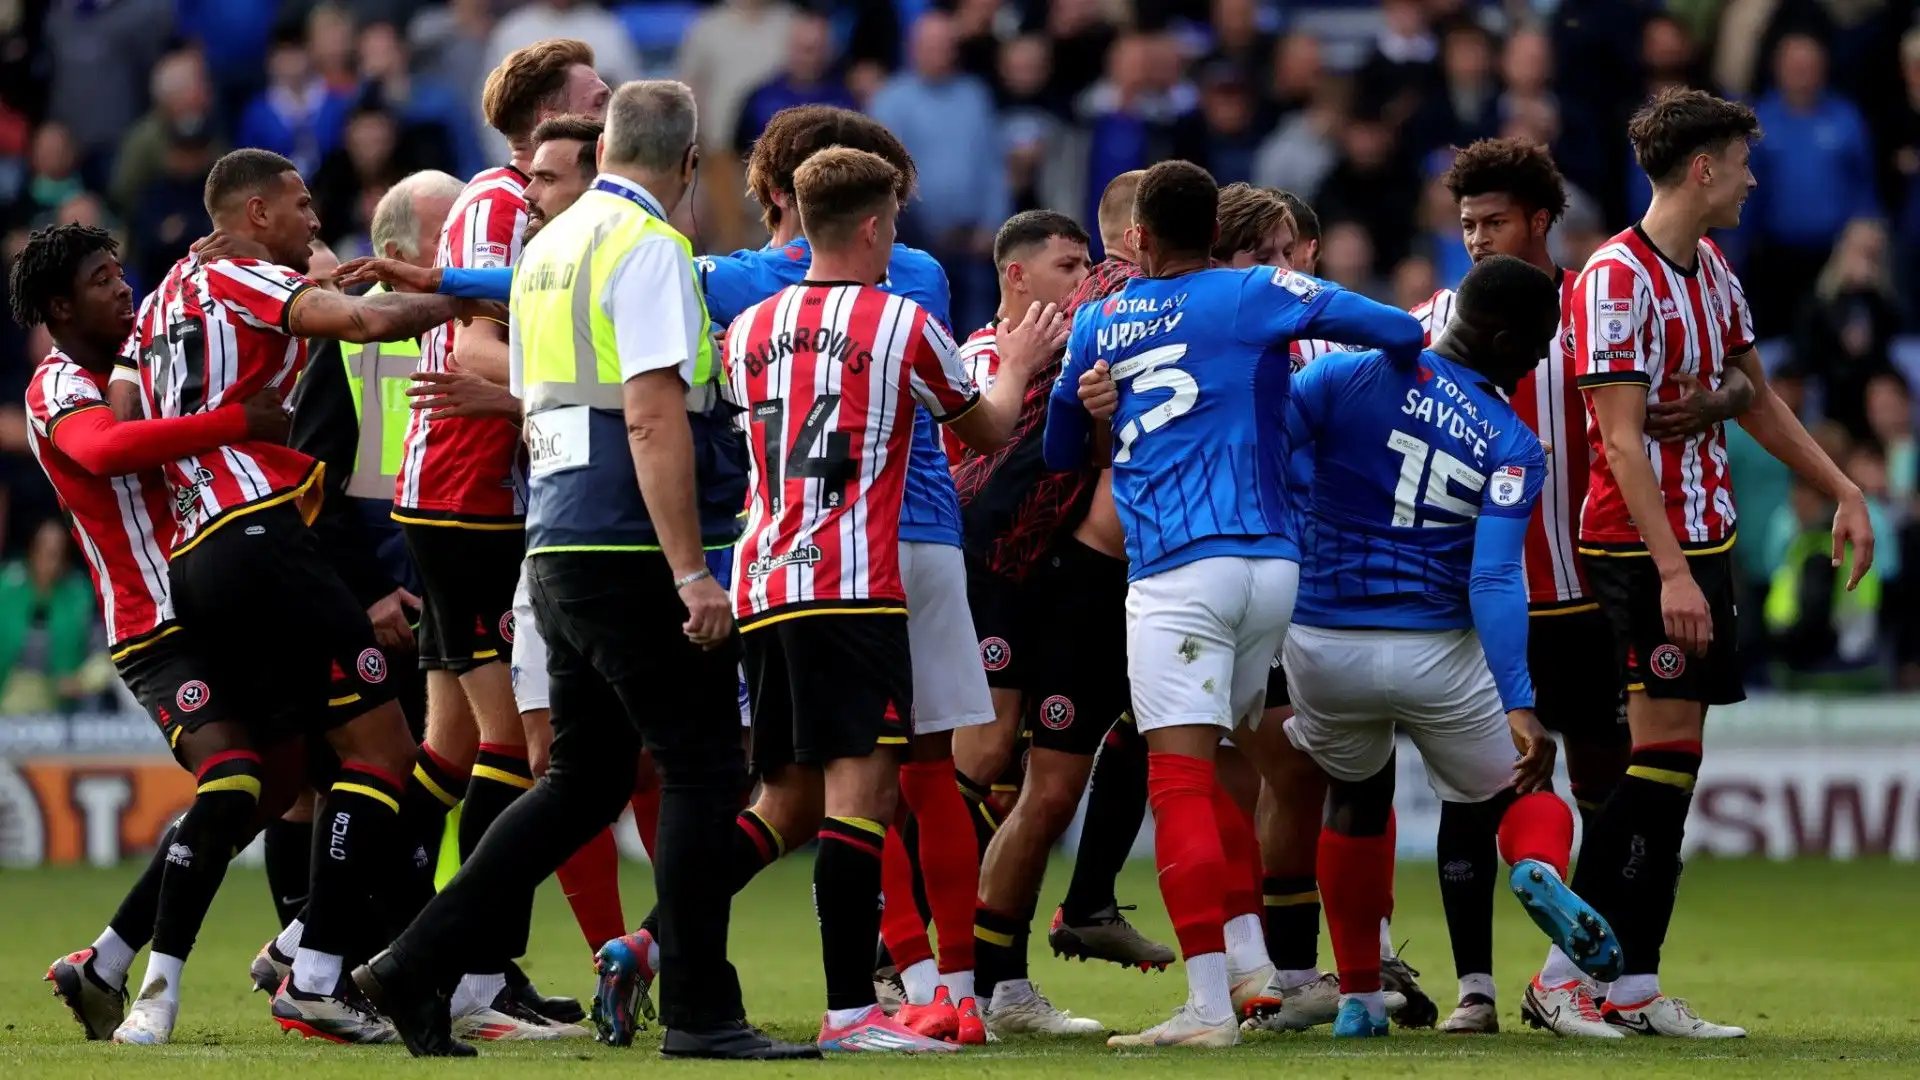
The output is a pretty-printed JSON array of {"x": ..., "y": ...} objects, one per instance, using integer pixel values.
[{"x": 1667, "y": 661}]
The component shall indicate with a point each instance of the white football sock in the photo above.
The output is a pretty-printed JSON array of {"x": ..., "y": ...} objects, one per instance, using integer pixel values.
[
  {"x": 959, "y": 984},
  {"x": 653, "y": 955},
  {"x": 921, "y": 979},
  {"x": 843, "y": 1017},
  {"x": 476, "y": 992},
  {"x": 111, "y": 958},
  {"x": 165, "y": 970},
  {"x": 316, "y": 972},
  {"x": 1208, "y": 992},
  {"x": 1634, "y": 989},
  {"x": 1011, "y": 991},
  {"x": 289, "y": 940},
  {"x": 1246, "y": 944},
  {"x": 1295, "y": 979},
  {"x": 1386, "y": 940},
  {"x": 1476, "y": 984},
  {"x": 1559, "y": 970},
  {"x": 1376, "y": 1003}
]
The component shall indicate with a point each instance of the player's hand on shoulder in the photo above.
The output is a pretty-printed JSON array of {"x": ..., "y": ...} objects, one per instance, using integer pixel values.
[
  {"x": 1534, "y": 770},
  {"x": 400, "y": 276},
  {"x": 267, "y": 417},
  {"x": 1099, "y": 395},
  {"x": 1027, "y": 347},
  {"x": 443, "y": 394}
]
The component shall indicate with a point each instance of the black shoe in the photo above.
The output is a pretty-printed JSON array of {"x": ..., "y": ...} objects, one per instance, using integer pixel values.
[
  {"x": 419, "y": 1012},
  {"x": 733, "y": 1042},
  {"x": 560, "y": 1010}
]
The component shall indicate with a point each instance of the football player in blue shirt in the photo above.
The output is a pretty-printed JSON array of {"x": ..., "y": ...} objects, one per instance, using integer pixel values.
[
  {"x": 1412, "y": 615},
  {"x": 1199, "y": 362}
]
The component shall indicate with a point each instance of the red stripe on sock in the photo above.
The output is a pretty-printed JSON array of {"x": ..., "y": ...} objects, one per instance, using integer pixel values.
[
  {"x": 395, "y": 782},
  {"x": 759, "y": 838},
  {"x": 646, "y": 817},
  {"x": 225, "y": 756},
  {"x": 518, "y": 753},
  {"x": 1242, "y": 850},
  {"x": 453, "y": 771},
  {"x": 900, "y": 925},
  {"x": 1538, "y": 826},
  {"x": 1682, "y": 746},
  {"x": 590, "y": 879},
  {"x": 949, "y": 856},
  {"x": 1355, "y": 881},
  {"x": 871, "y": 849},
  {"x": 1187, "y": 850}
]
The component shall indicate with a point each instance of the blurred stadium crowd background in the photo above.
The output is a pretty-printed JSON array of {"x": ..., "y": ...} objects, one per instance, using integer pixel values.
[{"x": 111, "y": 111}]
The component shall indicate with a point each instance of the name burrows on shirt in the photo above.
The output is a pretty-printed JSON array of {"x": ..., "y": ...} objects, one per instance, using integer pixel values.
[
  {"x": 834, "y": 345},
  {"x": 761, "y": 567}
]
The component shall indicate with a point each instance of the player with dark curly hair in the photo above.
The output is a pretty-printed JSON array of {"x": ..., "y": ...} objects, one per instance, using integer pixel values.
[{"x": 107, "y": 475}]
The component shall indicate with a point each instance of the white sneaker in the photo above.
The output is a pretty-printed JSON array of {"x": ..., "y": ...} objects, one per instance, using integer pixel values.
[
  {"x": 1567, "y": 1010},
  {"x": 1032, "y": 1014},
  {"x": 1667, "y": 1016},
  {"x": 1252, "y": 993},
  {"x": 150, "y": 1021},
  {"x": 506, "y": 1020},
  {"x": 1310, "y": 1005},
  {"x": 1473, "y": 1016},
  {"x": 1183, "y": 1028}
]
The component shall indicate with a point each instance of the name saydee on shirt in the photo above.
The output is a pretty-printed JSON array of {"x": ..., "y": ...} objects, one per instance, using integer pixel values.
[{"x": 1456, "y": 415}]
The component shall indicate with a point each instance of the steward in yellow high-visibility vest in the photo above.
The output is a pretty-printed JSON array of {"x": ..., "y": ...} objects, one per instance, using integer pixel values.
[{"x": 634, "y": 464}]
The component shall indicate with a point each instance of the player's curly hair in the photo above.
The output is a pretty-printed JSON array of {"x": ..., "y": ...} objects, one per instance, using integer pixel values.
[
  {"x": 1517, "y": 167},
  {"x": 1677, "y": 124},
  {"x": 46, "y": 267},
  {"x": 796, "y": 134},
  {"x": 527, "y": 79}
]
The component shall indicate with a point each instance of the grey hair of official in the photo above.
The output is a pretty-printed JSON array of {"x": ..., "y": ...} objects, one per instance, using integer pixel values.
[
  {"x": 650, "y": 125},
  {"x": 394, "y": 218}
]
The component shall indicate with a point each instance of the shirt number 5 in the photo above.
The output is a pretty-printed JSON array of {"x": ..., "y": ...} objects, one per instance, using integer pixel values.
[{"x": 1147, "y": 373}]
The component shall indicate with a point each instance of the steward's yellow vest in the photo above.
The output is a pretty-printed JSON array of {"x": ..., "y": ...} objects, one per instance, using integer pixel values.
[{"x": 387, "y": 367}]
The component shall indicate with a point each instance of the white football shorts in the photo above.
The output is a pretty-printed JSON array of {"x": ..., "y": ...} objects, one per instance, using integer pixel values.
[
  {"x": 1352, "y": 689},
  {"x": 949, "y": 683},
  {"x": 1201, "y": 637},
  {"x": 529, "y": 652}
]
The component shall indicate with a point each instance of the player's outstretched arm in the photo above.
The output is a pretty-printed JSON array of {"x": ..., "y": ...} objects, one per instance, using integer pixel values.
[
  {"x": 1353, "y": 319},
  {"x": 104, "y": 446},
  {"x": 1024, "y": 350},
  {"x": 1778, "y": 431},
  {"x": 364, "y": 319}
]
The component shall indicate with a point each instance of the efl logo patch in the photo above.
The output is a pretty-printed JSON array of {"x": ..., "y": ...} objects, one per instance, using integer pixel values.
[
  {"x": 191, "y": 696},
  {"x": 1298, "y": 284},
  {"x": 1056, "y": 713},
  {"x": 995, "y": 654},
  {"x": 1667, "y": 661},
  {"x": 372, "y": 666},
  {"x": 1507, "y": 484},
  {"x": 506, "y": 628}
]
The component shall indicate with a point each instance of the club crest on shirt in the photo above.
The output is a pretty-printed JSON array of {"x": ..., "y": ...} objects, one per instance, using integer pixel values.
[{"x": 1506, "y": 485}]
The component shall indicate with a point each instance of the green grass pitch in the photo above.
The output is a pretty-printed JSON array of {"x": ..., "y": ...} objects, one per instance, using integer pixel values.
[{"x": 1817, "y": 960}]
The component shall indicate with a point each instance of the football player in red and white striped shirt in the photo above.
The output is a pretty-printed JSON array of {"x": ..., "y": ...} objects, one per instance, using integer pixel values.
[
  {"x": 828, "y": 372},
  {"x": 1657, "y": 309},
  {"x": 247, "y": 575},
  {"x": 107, "y": 476}
]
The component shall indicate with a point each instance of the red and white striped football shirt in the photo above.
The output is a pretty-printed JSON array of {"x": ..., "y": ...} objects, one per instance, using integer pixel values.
[
  {"x": 828, "y": 375},
  {"x": 460, "y": 468},
  {"x": 123, "y": 524},
  {"x": 214, "y": 333},
  {"x": 1549, "y": 401},
  {"x": 980, "y": 355},
  {"x": 1641, "y": 319},
  {"x": 1302, "y": 352}
]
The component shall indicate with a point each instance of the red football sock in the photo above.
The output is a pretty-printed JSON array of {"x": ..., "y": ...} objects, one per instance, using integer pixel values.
[
  {"x": 1242, "y": 850},
  {"x": 646, "y": 817},
  {"x": 1355, "y": 874},
  {"x": 1187, "y": 849},
  {"x": 900, "y": 926},
  {"x": 1538, "y": 826},
  {"x": 1393, "y": 845},
  {"x": 949, "y": 856},
  {"x": 591, "y": 882}
]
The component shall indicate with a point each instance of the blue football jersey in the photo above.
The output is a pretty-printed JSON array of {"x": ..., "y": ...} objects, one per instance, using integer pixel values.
[
  {"x": 1199, "y": 442},
  {"x": 930, "y": 511},
  {"x": 1404, "y": 464}
]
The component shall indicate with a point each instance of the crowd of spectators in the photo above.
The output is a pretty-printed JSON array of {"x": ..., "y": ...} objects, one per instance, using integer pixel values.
[{"x": 111, "y": 112}]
